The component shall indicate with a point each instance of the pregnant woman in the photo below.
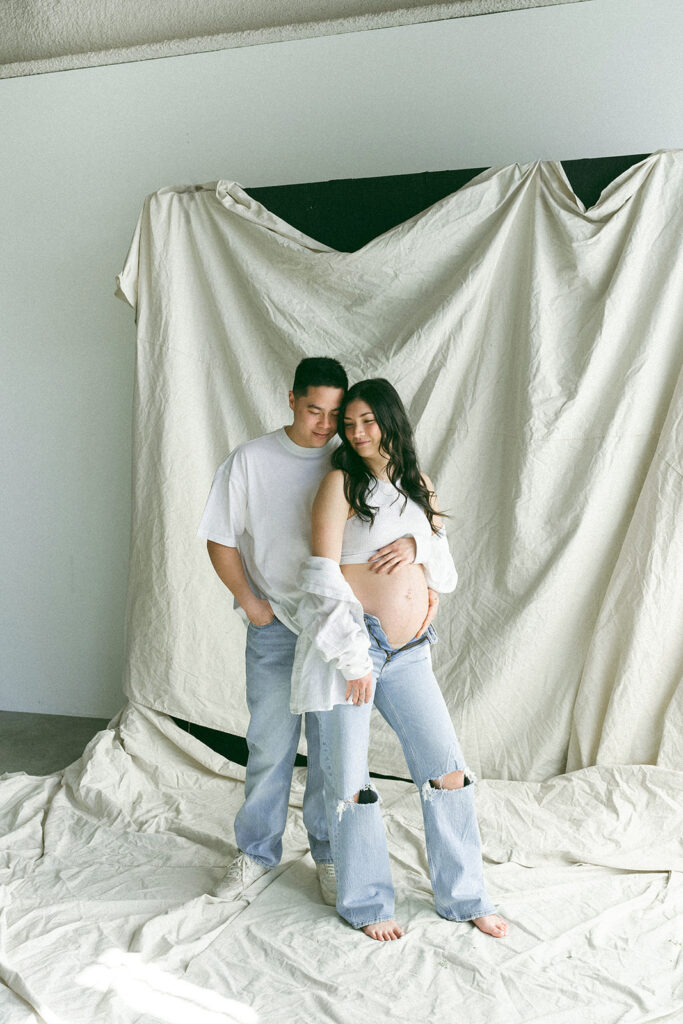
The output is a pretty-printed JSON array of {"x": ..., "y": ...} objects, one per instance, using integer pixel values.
[{"x": 379, "y": 557}]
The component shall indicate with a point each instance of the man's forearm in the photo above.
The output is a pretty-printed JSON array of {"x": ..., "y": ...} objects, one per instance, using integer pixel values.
[{"x": 228, "y": 565}]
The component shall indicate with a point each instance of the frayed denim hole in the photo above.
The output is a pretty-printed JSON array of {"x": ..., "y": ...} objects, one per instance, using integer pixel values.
[
  {"x": 366, "y": 795},
  {"x": 429, "y": 791},
  {"x": 452, "y": 763}
]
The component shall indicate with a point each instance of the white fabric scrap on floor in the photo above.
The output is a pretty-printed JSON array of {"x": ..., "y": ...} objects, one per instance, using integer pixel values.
[
  {"x": 104, "y": 915},
  {"x": 537, "y": 346}
]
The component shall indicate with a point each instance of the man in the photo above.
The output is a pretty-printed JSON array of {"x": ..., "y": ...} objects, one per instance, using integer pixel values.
[{"x": 257, "y": 526}]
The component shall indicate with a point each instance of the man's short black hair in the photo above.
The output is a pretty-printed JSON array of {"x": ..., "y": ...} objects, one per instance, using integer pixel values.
[{"x": 319, "y": 372}]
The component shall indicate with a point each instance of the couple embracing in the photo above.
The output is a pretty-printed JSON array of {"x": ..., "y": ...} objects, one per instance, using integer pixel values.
[{"x": 329, "y": 538}]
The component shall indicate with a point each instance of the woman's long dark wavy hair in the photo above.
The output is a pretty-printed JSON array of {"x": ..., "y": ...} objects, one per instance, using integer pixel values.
[{"x": 397, "y": 442}]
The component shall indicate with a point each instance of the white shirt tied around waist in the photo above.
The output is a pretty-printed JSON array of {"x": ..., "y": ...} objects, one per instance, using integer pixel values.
[{"x": 333, "y": 644}]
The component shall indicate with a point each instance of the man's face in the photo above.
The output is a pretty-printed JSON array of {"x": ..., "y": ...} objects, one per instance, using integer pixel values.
[{"x": 315, "y": 416}]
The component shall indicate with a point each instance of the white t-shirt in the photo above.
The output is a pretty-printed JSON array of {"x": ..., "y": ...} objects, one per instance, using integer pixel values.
[{"x": 260, "y": 503}]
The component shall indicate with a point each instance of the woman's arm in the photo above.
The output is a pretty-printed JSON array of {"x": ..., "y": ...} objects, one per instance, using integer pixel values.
[
  {"x": 439, "y": 568},
  {"x": 328, "y": 519}
]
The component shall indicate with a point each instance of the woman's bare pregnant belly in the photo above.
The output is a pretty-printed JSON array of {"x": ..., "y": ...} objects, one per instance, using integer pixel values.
[{"x": 398, "y": 599}]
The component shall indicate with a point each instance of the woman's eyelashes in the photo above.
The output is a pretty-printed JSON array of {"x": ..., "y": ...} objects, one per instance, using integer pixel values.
[{"x": 364, "y": 423}]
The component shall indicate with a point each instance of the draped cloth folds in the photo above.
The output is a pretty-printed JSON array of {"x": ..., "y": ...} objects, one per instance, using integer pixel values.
[{"x": 537, "y": 346}]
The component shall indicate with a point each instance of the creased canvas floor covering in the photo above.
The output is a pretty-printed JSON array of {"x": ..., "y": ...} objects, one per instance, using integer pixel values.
[
  {"x": 538, "y": 348},
  {"x": 104, "y": 916}
]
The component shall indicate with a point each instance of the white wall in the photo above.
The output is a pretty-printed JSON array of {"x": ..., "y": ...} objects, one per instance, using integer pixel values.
[{"x": 81, "y": 150}]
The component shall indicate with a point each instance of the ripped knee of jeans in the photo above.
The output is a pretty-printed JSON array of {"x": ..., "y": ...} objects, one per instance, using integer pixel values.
[
  {"x": 457, "y": 778},
  {"x": 367, "y": 795}
]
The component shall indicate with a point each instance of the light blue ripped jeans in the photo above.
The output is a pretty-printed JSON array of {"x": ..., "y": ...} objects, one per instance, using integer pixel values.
[
  {"x": 407, "y": 695},
  {"x": 272, "y": 739}
]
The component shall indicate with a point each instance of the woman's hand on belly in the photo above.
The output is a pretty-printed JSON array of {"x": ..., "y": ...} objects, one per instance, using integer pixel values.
[{"x": 392, "y": 556}]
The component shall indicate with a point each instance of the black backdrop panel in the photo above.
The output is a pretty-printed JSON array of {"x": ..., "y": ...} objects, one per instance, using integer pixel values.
[
  {"x": 346, "y": 214},
  {"x": 349, "y": 212}
]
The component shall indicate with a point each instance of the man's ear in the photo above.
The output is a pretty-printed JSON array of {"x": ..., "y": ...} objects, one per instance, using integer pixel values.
[{"x": 291, "y": 400}]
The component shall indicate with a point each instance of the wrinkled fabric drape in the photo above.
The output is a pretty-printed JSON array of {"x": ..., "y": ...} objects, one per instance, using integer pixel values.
[
  {"x": 105, "y": 916},
  {"x": 537, "y": 346}
]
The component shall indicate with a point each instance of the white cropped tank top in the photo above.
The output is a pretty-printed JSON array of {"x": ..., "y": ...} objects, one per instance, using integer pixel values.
[{"x": 362, "y": 540}]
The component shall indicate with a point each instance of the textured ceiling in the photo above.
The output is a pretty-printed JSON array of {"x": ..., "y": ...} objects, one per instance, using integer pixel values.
[{"x": 37, "y": 36}]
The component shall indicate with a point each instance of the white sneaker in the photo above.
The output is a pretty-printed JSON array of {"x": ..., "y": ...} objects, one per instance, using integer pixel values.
[
  {"x": 328, "y": 882},
  {"x": 242, "y": 873}
]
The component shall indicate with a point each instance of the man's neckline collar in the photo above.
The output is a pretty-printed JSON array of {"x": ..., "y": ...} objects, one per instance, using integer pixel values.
[{"x": 300, "y": 451}]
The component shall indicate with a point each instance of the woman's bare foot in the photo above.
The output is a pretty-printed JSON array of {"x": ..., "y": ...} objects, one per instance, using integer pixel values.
[
  {"x": 383, "y": 930},
  {"x": 492, "y": 925}
]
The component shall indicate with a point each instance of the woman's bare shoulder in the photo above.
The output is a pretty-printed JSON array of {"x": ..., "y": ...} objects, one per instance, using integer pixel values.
[
  {"x": 427, "y": 482},
  {"x": 335, "y": 475},
  {"x": 332, "y": 487}
]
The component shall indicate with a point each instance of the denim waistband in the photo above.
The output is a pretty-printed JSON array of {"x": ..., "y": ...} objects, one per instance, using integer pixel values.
[{"x": 377, "y": 634}]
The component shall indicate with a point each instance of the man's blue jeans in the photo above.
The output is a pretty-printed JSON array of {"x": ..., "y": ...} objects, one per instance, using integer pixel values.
[
  {"x": 272, "y": 739},
  {"x": 408, "y": 696}
]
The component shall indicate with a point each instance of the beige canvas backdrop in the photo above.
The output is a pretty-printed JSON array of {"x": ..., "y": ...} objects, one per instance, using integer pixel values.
[{"x": 537, "y": 346}]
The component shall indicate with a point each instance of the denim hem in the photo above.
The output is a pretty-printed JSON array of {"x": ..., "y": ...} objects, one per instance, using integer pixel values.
[
  {"x": 464, "y": 920},
  {"x": 258, "y": 860},
  {"x": 321, "y": 861},
  {"x": 375, "y": 920}
]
